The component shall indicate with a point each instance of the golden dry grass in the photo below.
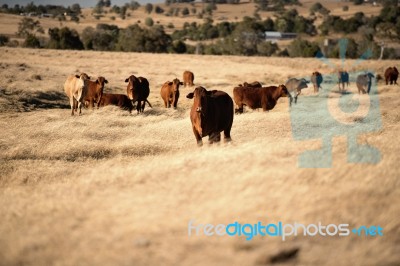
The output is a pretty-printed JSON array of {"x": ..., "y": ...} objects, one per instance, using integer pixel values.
[{"x": 113, "y": 188}]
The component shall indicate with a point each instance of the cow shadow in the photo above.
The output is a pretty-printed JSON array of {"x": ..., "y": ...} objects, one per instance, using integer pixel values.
[{"x": 25, "y": 101}]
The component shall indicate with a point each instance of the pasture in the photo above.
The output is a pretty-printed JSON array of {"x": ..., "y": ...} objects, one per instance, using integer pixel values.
[{"x": 113, "y": 188}]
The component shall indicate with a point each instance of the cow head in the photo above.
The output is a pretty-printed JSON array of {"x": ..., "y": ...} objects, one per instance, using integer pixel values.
[
  {"x": 284, "y": 92},
  {"x": 83, "y": 76},
  {"x": 100, "y": 87},
  {"x": 132, "y": 88},
  {"x": 199, "y": 95},
  {"x": 175, "y": 85}
]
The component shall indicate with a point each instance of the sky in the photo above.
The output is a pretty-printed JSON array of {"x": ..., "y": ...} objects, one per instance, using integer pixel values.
[{"x": 86, "y": 3}]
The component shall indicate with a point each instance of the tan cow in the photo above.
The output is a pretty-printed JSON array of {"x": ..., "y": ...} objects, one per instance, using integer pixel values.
[
  {"x": 95, "y": 92},
  {"x": 76, "y": 88},
  {"x": 188, "y": 78},
  {"x": 170, "y": 93}
]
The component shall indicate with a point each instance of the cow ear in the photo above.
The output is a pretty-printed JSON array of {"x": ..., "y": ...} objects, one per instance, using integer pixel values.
[
  {"x": 97, "y": 81},
  {"x": 190, "y": 95},
  {"x": 181, "y": 83},
  {"x": 127, "y": 80},
  {"x": 170, "y": 83},
  {"x": 88, "y": 77},
  {"x": 77, "y": 76}
]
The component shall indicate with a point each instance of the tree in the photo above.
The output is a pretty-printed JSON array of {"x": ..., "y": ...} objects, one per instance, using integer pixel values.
[
  {"x": 149, "y": 8},
  {"x": 76, "y": 8},
  {"x": 107, "y": 3},
  {"x": 28, "y": 26},
  {"x": 185, "y": 11},
  {"x": 303, "y": 48},
  {"x": 64, "y": 38}
]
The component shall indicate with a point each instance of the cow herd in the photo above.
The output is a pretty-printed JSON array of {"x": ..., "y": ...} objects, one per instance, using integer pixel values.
[{"x": 212, "y": 111}]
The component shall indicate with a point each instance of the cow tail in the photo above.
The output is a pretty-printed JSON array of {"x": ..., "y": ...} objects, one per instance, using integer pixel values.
[{"x": 149, "y": 103}]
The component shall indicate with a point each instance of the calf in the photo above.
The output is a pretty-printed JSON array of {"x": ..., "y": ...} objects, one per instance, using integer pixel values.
[
  {"x": 95, "y": 91},
  {"x": 188, "y": 78},
  {"x": 170, "y": 93},
  {"x": 316, "y": 79},
  {"x": 364, "y": 82},
  {"x": 211, "y": 113}
]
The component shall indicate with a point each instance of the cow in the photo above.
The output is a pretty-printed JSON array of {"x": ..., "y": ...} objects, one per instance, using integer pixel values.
[
  {"x": 294, "y": 86},
  {"x": 264, "y": 97},
  {"x": 95, "y": 91},
  {"x": 316, "y": 80},
  {"x": 254, "y": 84},
  {"x": 363, "y": 82},
  {"x": 343, "y": 79},
  {"x": 188, "y": 78},
  {"x": 138, "y": 90},
  {"x": 170, "y": 93},
  {"x": 76, "y": 87},
  {"x": 120, "y": 100},
  {"x": 391, "y": 75},
  {"x": 211, "y": 113}
]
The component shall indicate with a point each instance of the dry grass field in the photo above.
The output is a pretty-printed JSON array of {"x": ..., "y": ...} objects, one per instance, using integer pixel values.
[{"x": 113, "y": 188}]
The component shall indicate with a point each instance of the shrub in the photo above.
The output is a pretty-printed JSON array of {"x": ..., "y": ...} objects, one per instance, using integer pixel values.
[
  {"x": 149, "y": 22},
  {"x": 303, "y": 48},
  {"x": 31, "y": 41},
  {"x": 3, "y": 39}
]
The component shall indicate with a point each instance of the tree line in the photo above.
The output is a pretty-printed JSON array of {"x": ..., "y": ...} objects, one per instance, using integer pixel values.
[{"x": 246, "y": 37}]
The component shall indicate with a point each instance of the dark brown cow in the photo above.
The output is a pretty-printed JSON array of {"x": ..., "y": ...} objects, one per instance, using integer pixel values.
[
  {"x": 343, "y": 79},
  {"x": 119, "y": 100},
  {"x": 265, "y": 97},
  {"x": 188, "y": 78},
  {"x": 138, "y": 90},
  {"x": 391, "y": 75},
  {"x": 254, "y": 84},
  {"x": 170, "y": 93},
  {"x": 212, "y": 113},
  {"x": 95, "y": 92},
  {"x": 316, "y": 79}
]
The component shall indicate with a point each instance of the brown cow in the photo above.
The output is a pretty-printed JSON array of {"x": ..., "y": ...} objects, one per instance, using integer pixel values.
[
  {"x": 76, "y": 88},
  {"x": 188, "y": 78},
  {"x": 138, "y": 90},
  {"x": 254, "y": 84},
  {"x": 265, "y": 97},
  {"x": 170, "y": 93},
  {"x": 391, "y": 75},
  {"x": 119, "y": 100},
  {"x": 211, "y": 113},
  {"x": 95, "y": 91}
]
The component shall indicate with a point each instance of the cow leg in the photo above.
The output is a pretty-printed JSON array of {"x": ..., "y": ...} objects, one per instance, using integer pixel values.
[
  {"x": 138, "y": 106},
  {"x": 165, "y": 104},
  {"x": 227, "y": 135},
  {"x": 144, "y": 104},
  {"x": 80, "y": 108},
  {"x": 72, "y": 103},
  {"x": 198, "y": 137},
  {"x": 295, "y": 99}
]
